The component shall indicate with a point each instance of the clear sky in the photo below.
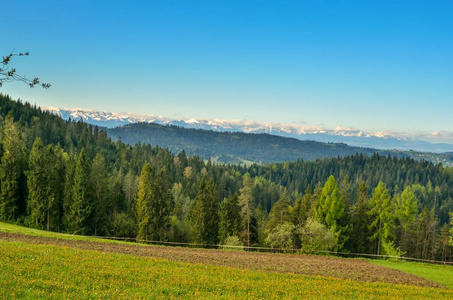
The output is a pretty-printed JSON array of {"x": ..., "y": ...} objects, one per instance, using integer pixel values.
[{"x": 375, "y": 65}]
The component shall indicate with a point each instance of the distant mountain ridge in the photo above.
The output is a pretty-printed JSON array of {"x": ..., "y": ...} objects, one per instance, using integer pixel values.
[
  {"x": 236, "y": 147},
  {"x": 353, "y": 137}
]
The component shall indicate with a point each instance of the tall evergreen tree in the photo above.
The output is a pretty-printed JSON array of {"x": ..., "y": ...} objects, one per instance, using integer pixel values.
[
  {"x": 426, "y": 234},
  {"x": 330, "y": 210},
  {"x": 70, "y": 165},
  {"x": 160, "y": 206},
  {"x": 11, "y": 171},
  {"x": 99, "y": 192},
  {"x": 56, "y": 182},
  {"x": 45, "y": 185},
  {"x": 302, "y": 208},
  {"x": 345, "y": 192},
  {"x": 280, "y": 212},
  {"x": 204, "y": 215},
  {"x": 80, "y": 216},
  {"x": 246, "y": 202},
  {"x": 360, "y": 235},
  {"x": 144, "y": 197},
  {"x": 230, "y": 219},
  {"x": 450, "y": 241},
  {"x": 406, "y": 213},
  {"x": 37, "y": 183},
  {"x": 130, "y": 188},
  {"x": 381, "y": 214}
]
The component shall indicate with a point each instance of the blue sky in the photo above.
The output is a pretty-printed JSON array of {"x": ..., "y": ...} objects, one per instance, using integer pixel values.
[{"x": 373, "y": 65}]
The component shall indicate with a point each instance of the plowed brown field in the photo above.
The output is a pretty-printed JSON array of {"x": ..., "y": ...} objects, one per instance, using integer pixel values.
[{"x": 354, "y": 269}]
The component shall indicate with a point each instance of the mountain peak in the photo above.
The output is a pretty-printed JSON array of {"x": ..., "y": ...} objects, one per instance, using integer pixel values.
[{"x": 348, "y": 135}]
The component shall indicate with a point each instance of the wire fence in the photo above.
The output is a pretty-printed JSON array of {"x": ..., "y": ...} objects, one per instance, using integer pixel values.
[{"x": 277, "y": 250}]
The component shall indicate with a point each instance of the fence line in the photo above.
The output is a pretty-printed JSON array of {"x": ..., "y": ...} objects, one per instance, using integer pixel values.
[{"x": 274, "y": 250}]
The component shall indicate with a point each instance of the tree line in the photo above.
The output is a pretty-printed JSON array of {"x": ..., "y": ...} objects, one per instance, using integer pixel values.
[{"x": 68, "y": 176}]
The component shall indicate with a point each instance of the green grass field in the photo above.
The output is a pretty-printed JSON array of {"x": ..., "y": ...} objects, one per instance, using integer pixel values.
[
  {"x": 48, "y": 271},
  {"x": 438, "y": 273},
  {"x": 10, "y": 228},
  {"x": 44, "y": 271}
]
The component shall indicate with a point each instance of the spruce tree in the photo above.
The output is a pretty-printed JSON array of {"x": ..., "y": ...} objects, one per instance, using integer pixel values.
[
  {"x": 330, "y": 210},
  {"x": 360, "y": 220},
  {"x": 99, "y": 193},
  {"x": 11, "y": 171},
  {"x": 247, "y": 204},
  {"x": 280, "y": 212},
  {"x": 82, "y": 200},
  {"x": 56, "y": 183},
  {"x": 406, "y": 213},
  {"x": 45, "y": 185},
  {"x": 450, "y": 240},
  {"x": 426, "y": 234},
  {"x": 160, "y": 206},
  {"x": 144, "y": 196},
  {"x": 230, "y": 219},
  {"x": 130, "y": 188},
  {"x": 70, "y": 165},
  {"x": 381, "y": 214},
  {"x": 38, "y": 184},
  {"x": 204, "y": 214},
  {"x": 301, "y": 210}
]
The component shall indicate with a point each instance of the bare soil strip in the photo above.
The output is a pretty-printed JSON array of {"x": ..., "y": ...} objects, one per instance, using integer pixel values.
[{"x": 354, "y": 269}]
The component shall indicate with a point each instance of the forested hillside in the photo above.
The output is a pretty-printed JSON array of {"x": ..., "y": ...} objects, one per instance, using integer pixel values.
[
  {"x": 235, "y": 147},
  {"x": 70, "y": 177}
]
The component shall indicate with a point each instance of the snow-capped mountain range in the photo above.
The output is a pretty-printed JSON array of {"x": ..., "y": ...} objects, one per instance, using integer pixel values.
[{"x": 351, "y": 136}]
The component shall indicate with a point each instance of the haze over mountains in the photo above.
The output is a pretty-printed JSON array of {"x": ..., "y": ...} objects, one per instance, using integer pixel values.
[{"x": 353, "y": 137}]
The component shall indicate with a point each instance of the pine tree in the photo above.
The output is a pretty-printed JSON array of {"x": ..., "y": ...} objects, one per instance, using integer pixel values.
[
  {"x": 450, "y": 241},
  {"x": 381, "y": 214},
  {"x": 360, "y": 221},
  {"x": 160, "y": 206},
  {"x": 70, "y": 165},
  {"x": 82, "y": 201},
  {"x": 406, "y": 213},
  {"x": 99, "y": 193},
  {"x": 302, "y": 208},
  {"x": 345, "y": 192},
  {"x": 204, "y": 214},
  {"x": 247, "y": 204},
  {"x": 144, "y": 196},
  {"x": 426, "y": 234},
  {"x": 230, "y": 219},
  {"x": 38, "y": 185},
  {"x": 11, "y": 171},
  {"x": 56, "y": 182},
  {"x": 130, "y": 188},
  {"x": 280, "y": 212}
]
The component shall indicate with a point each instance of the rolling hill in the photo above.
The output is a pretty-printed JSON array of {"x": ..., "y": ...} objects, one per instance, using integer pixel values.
[{"x": 235, "y": 147}]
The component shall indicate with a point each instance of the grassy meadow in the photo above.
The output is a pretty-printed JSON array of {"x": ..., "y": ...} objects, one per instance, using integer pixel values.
[
  {"x": 35, "y": 271},
  {"x": 438, "y": 273}
]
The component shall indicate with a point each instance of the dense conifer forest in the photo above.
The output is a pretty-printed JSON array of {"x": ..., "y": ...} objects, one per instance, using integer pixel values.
[
  {"x": 236, "y": 147},
  {"x": 71, "y": 177}
]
